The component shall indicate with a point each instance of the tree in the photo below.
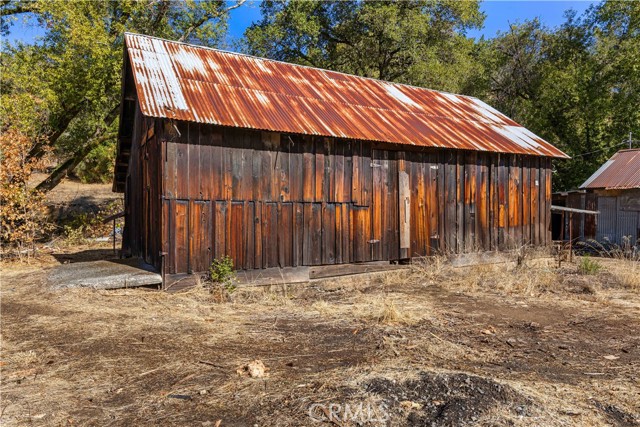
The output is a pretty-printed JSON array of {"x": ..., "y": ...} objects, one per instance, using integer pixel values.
[
  {"x": 577, "y": 86},
  {"x": 75, "y": 69},
  {"x": 415, "y": 42}
]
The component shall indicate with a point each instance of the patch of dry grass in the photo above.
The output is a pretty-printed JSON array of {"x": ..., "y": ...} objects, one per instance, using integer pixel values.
[
  {"x": 531, "y": 278},
  {"x": 627, "y": 273}
]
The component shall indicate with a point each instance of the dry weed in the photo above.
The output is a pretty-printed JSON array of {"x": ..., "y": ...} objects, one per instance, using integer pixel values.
[
  {"x": 389, "y": 314},
  {"x": 429, "y": 268},
  {"x": 627, "y": 273}
]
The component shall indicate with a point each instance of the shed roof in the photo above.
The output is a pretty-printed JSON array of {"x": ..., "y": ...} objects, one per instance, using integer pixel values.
[
  {"x": 622, "y": 171},
  {"x": 205, "y": 85}
]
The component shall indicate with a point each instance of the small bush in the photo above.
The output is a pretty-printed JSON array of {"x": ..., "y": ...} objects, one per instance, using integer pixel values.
[
  {"x": 588, "y": 266},
  {"x": 221, "y": 270},
  {"x": 88, "y": 225},
  {"x": 223, "y": 278},
  {"x": 23, "y": 213}
]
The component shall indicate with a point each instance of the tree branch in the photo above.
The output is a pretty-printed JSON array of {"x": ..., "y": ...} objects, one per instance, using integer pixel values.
[
  {"x": 206, "y": 17},
  {"x": 17, "y": 8},
  {"x": 69, "y": 165}
]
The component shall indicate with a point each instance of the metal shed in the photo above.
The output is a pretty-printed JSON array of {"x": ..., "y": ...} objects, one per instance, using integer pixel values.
[
  {"x": 614, "y": 190},
  {"x": 282, "y": 165}
]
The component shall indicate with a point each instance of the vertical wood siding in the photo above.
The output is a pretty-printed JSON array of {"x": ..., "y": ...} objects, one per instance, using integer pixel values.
[
  {"x": 268, "y": 199},
  {"x": 143, "y": 234}
]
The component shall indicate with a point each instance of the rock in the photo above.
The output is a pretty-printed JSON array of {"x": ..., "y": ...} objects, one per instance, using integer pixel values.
[{"x": 255, "y": 369}]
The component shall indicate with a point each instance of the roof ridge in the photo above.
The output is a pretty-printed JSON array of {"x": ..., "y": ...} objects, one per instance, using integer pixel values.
[{"x": 262, "y": 58}]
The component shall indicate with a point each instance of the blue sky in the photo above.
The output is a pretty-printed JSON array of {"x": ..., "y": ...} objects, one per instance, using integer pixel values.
[{"x": 499, "y": 14}]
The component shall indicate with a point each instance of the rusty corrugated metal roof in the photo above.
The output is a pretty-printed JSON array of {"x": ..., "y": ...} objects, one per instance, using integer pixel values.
[
  {"x": 192, "y": 83},
  {"x": 622, "y": 171}
]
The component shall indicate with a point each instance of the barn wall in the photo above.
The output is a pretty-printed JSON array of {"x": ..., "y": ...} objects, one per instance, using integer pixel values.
[
  {"x": 143, "y": 221},
  {"x": 619, "y": 218},
  {"x": 269, "y": 200}
]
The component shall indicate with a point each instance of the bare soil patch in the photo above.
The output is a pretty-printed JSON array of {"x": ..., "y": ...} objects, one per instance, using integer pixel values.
[{"x": 431, "y": 346}]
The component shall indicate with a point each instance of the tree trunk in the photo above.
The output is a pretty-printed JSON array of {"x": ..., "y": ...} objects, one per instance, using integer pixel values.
[{"x": 69, "y": 165}]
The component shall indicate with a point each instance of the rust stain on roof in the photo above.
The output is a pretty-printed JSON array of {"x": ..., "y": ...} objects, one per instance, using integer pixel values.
[
  {"x": 622, "y": 171},
  {"x": 185, "y": 82}
]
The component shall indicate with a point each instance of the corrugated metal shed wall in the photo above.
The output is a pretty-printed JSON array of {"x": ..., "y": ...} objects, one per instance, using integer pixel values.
[
  {"x": 627, "y": 231},
  {"x": 607, "y": 220}
]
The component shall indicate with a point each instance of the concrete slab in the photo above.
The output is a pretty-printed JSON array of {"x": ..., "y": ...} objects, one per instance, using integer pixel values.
[{"x": 114, "y": 274}]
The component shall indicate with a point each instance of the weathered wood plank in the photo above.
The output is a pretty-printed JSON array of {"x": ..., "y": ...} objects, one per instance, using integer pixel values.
[
  {"x": 469, "y": 201},
  {"x": 200, "y": 252},
  {"x": 180, "y": 236},
  {"x": 378, "y": 207},
  {"x": 324, "y": 271},
  {"x": 193, "y": 162},
  {"x": 182, "y": 160},
  {"x": 328, "y": 233},
  {"x": 273, "y": 276},
  {"x": 285, "y": 235},
  {"x": 236, "y": 235},
  {"x": 404, "y": 202},
  {"x": 319, "y": 170},
  {"x": 316, "y": 235},
  {"x": 270, "y": 234},
  {"x": 257, "y": 230},
  {"x": 249, "y": 234},
  {"x": 220, "y": 228},
  {"x": 526, "y": 200},
  {"x": 308, "y": 171},
  {"x": 298, "y": 234},
  {"x": 296, "y": 173}
]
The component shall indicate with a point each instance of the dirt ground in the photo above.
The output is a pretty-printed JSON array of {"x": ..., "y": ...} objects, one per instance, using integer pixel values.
[{"x": 430, "y": 345}]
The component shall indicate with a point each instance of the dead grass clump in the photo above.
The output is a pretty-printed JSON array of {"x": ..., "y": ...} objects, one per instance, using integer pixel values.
[
  {"x": 627, "y": 273},
  {"x": 389, "y": 314},
  {"x": 324, "y": 308},
  {"x": 374, "y": 308},
  {"x": 524, "y": 279},
  {"x": 429, "y": 268}
]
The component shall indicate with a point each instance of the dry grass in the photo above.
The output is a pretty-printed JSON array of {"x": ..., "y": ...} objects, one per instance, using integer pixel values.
[
  {"x": 127, "y": 350},
  {"x": 627, "y": 273},
  {"x": 531, "y": 279}
]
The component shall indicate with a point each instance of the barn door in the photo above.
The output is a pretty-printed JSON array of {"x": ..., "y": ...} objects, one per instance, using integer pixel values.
[{"x": 404, "y": 209}]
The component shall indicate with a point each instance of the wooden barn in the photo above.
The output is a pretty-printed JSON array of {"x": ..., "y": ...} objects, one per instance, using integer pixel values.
[{"x": 281, "y": 165}]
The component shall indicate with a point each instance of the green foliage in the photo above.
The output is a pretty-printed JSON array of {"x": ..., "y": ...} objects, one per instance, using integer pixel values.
[
  {"x": 414, "y": 42},
  {"x": 98, "y": 165},
  {"x": 72, "y": 74},
  {"x": 588, "y": 266},
  {"x": 89, "y": 225},
  {"x": 221, "y": 270},
  {"x": 223, "y": 279},
  {"x": 576, "y": 86}
]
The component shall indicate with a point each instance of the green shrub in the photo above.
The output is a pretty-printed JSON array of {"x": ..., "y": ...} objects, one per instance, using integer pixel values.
[
  {"x": 223, "y": 278},
  {"x": 97, "y": 167},
  {"x": 588, "y": 266},
  {"x": 221, "y": 270}
]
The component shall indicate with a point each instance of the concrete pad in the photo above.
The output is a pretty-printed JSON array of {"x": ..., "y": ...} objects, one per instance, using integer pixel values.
[{"x": 114, "y": 274}]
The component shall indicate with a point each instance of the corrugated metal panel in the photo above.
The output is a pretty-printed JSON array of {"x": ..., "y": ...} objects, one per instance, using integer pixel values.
[
  {"x": 627, "y": 227},
  {"x": 622, "y": 171},
  {"x": 607, "y": 220},
  {"x": 191, "y": 83}
]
